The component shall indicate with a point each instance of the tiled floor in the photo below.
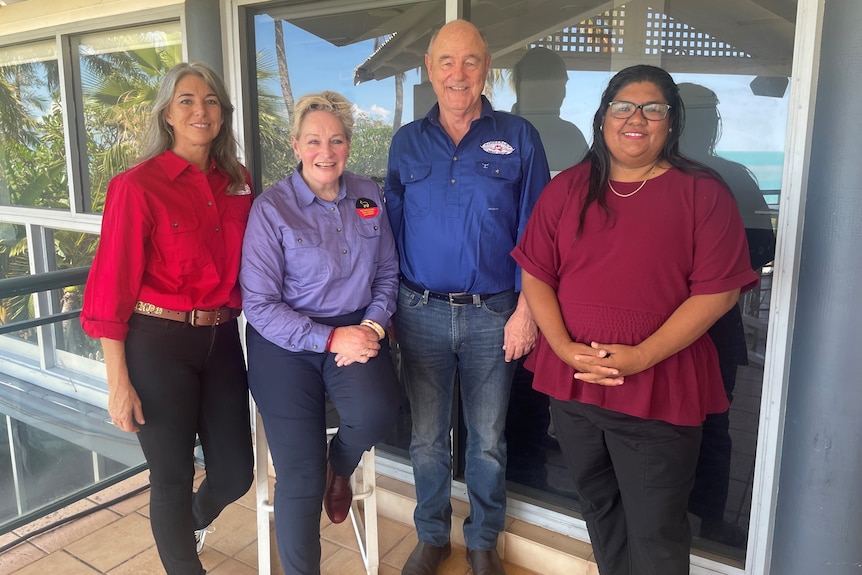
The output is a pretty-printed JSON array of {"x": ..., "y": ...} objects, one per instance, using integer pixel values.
[{"x": 117, "y": 541}]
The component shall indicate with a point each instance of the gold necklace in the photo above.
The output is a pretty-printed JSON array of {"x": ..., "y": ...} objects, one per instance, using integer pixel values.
[{"x": 630, "y": 194}]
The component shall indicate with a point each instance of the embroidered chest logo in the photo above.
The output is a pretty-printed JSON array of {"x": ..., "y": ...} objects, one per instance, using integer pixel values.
[
  {"x": 498, "y": 147},
  {"x": 367, "y": 208}
]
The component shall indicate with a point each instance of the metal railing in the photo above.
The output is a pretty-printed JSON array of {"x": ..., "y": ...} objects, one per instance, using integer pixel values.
[
  {"x": 42, "y": 427},
  {"x": 23, "y": 285}
]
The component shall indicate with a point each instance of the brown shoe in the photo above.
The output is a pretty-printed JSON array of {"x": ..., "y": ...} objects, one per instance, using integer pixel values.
[
  {"x": 425, "y": 559},
  {"x": 337, "y": 497},
  {"x": 485, "y": 562}
]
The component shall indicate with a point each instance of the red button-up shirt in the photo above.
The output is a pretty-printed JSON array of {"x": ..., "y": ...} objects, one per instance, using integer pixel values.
[{"x": 171, "y": 237}]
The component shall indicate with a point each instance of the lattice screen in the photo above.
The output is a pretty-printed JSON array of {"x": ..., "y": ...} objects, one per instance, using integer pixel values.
[{"x": 606, "y": 33}]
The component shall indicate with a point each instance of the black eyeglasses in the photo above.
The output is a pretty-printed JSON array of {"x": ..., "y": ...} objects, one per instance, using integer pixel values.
[{"x": 651, "y": 110}]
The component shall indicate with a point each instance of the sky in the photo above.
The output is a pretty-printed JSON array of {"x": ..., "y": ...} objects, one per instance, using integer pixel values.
[{"x": 749, "y": 123}]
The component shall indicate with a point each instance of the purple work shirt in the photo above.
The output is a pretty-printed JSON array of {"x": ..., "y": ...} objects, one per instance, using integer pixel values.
[{"x": 305, "y": 258}]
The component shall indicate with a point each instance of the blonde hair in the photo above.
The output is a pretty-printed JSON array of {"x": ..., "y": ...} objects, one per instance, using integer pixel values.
[
  {"x": 159, "y": 136},
  {"x": 326, "y": 101}
]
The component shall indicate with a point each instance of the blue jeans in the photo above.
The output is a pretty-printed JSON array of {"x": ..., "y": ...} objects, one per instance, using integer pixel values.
[{"x": 437, "y": 341}]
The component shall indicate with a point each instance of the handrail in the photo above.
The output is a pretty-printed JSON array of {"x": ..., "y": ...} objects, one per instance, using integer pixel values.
[
  {"x": 42, "y": 282},
  {"x": 22, "y": 285}
]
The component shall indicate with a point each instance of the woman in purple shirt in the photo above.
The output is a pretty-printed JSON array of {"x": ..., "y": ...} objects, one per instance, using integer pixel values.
[{"x": 319, "y": 280}]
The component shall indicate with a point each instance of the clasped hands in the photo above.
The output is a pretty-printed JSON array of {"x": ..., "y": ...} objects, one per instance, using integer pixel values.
[
  {"x": 354, "y": 344},
  {"x": 603, "y": 364}
]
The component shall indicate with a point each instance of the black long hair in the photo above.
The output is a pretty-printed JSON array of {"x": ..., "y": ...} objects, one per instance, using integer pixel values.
[{"x": 598, "y": 154}]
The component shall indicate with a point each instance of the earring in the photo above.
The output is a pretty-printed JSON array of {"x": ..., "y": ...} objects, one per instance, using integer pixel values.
[
  {"x": 670, "y": 130},
  {"x": 602, "y": 128}
]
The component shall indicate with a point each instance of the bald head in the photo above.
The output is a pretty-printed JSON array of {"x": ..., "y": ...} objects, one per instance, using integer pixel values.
[
  {"x": 458, "y": 28},
  {"x": 457, "y": 63}
]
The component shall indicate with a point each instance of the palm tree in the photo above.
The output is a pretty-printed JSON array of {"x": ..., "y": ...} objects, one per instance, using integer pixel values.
[
  {"x": 119, "y": 88},
  {"x": 283, "y": 73},
  {"x": 277, "y": 160}
]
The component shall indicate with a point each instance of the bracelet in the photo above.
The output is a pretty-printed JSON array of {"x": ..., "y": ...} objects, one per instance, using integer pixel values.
[
  {"x": 378, "y": 329},
  {"x": 329, "y": 341}
]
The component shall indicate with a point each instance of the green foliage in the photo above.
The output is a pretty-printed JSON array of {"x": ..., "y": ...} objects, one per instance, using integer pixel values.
[
  {"x": 369, "y": 148},
  {"x": 119, "y": 89},
  {"x": 276, "y": 152}
]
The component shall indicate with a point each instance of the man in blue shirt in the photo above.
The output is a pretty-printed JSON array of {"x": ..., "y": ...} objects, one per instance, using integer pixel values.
[{"x": 460, "y": 186}]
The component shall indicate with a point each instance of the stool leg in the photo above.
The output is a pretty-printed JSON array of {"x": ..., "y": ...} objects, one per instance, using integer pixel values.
[
  {"x": 366, "y": 530},
  {"x": 264, "y": 505}
]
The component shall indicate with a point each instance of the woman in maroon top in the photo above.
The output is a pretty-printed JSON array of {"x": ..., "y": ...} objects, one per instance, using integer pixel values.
[
  {"x": 627, "y": 260},
  {"x": 163, "y": 298}
]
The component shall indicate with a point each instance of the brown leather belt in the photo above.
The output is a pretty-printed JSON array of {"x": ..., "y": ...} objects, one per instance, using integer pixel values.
[{"x": 196, "y": 317}]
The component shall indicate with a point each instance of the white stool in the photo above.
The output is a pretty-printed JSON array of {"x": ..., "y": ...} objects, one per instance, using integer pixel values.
[{"x": 364, "y": 523}]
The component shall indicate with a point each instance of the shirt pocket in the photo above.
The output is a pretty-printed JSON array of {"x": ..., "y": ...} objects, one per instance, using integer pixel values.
[
  {"x": 305, "y": 257},
  {"x": 369, "y": 237},
  {"x": 508, "y": 170},
  {"x": 418, "y": 189},
  {"x": 177, "y": 242}
]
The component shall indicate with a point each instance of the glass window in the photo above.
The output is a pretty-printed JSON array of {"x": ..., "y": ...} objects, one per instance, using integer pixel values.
[
  {"x": 297, "y": 55},
  {"x": 32, "y": 144},
  {"x": 733, "y": 81},
  {"x": 120, "y": 73},
  {"x": 551, "y": 60},
  {"x": 15, "y": 262},
  {"x": 73, "y": 250}
]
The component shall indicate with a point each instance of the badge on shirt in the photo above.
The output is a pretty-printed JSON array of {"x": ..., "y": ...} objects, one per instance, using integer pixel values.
[
  {"x": 366, "y": 208},
  {"x": 498, "y": 147},
  {"x": 245, "y": 191}
]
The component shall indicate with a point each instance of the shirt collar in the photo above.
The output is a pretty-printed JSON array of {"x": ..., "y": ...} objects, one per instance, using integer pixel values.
[
  {"x": 304, "y": 195},
  {"x": 433, "y": 115},
  {"x": 173, "y": 165}
]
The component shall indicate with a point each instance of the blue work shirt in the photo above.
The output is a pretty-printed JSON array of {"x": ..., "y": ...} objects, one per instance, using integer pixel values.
[
  {"x": 457, "y": 211},
  {"x": 305, "y": 258}
]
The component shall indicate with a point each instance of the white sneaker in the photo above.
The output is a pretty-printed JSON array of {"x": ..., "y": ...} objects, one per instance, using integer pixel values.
[{"x": 201, "y": 535}]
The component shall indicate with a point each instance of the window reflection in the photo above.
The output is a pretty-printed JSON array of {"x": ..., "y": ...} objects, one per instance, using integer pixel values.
[
  {"x": 120, "y": 73},
  {"x": 550, "y": 62},
  {"x": 297, "y": 55},
  {"x": 15, "y": 262},
  {"x": 32, "y": 144}
]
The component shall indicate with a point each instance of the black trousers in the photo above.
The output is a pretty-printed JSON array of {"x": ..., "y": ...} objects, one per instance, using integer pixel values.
[
  {"x": 191, "y": 381},
  {"x": 634, "y": 477}
]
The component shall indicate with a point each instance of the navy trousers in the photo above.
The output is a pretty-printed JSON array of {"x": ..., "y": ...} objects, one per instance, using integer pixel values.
[{"x": 290, "y": 389}]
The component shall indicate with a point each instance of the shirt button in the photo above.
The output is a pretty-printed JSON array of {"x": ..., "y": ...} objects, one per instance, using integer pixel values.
[
  {"x": 299, "y": 240},
  {"x": 332, "y": 208},
  {"x": 375, "y": 228},
  {"x": 176, "y": 224},
  {"x": 314, "y": 346},
  {"x": 453, "y": 180},
  {"x": 344, "y": 251},
  {"x": 496, "y": 171},
  {"x": 337, "y": 229},
  {"x": 455, "y": 159},
  {"x": 209, "y": 203},
  {"x": 218, "y": 229}
]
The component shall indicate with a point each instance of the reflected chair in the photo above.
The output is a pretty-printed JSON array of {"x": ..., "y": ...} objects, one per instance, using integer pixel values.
[{"x": 363, "y": 510}]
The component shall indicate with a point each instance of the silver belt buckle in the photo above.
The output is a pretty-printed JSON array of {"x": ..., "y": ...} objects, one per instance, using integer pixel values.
[{"x": 452, "y": 297}]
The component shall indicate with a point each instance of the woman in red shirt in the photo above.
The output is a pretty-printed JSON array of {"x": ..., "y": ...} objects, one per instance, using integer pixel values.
[
  {"x": 163, "y": 297},
  {"x": 628, "y": 258}
]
